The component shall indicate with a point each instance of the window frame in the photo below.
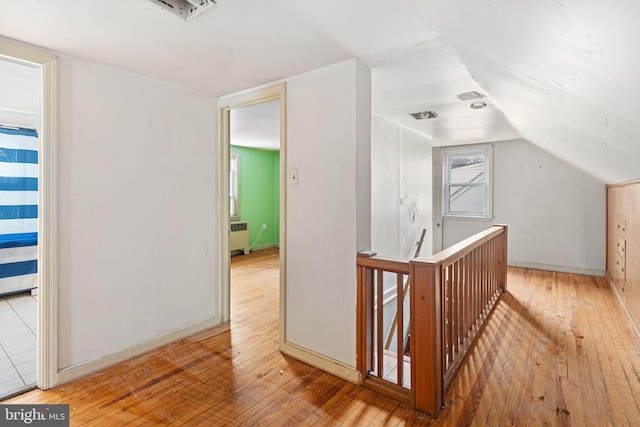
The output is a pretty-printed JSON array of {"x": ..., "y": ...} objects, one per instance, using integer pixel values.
[
  {"x": 234, "y": 204},
  {"x": 483, "y": 150}
]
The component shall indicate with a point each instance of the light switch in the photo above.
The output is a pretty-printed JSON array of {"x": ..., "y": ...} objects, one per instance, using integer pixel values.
[{"x": 293, "y": 176}]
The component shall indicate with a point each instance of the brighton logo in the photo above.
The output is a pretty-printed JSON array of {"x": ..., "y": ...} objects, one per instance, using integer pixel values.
[{"x": 34, "y": 415}]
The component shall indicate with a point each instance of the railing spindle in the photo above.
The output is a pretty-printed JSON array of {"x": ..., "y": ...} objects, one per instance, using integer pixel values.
[
  {"x": 370, "y": 314},
  {"x": 400, "y": 329},
  {"x": 449, "y": 316},
  {"x": 380, "y": 310}
]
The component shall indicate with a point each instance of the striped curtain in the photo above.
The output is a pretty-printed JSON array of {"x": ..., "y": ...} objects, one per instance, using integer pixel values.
[{"x": 18, "y": 209}]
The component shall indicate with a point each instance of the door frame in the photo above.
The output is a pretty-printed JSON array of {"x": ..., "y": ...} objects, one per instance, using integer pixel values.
[
  {"x": 438, "y": 218},
  {"x": 47, "y": 339},
  {"x": 227, "y": 103}
]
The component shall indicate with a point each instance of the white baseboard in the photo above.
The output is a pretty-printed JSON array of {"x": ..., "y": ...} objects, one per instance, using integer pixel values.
[
  {"x": 327, "y": 364},
  {"x": 558, "y": 268},
  {"x": 85, "y": 368}
]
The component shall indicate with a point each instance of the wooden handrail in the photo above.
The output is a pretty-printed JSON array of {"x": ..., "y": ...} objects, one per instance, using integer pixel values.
[
  {"x": 462, "y": 248},
  {"x": 386, "y": 264}
]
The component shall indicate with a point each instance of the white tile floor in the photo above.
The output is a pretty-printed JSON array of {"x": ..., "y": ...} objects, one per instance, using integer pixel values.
[{"x": 17, "y": 342}]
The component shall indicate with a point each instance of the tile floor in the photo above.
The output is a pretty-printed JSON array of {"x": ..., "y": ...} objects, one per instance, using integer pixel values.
[{"x": 17, "y": 342}]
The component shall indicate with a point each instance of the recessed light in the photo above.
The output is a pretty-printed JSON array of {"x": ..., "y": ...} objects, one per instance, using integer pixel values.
[
  {"x": 468, "y": 96},
  {"x": 478, "y": 105},
  {"x": 424, "y": 115}
]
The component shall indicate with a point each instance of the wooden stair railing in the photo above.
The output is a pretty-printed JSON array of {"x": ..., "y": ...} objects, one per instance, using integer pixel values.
[
  {"x": 370, "y": 326},
  {"x": 451, "y": 296}
]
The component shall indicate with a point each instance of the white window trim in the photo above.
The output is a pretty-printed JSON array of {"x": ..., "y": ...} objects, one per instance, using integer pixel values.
[
  {"x": 237, "y": 199},
  {"x": 489, "y": 162}
]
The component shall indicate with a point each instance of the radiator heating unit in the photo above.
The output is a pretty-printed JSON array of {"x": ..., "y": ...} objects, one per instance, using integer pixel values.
[{"x": 239, "y": 237}]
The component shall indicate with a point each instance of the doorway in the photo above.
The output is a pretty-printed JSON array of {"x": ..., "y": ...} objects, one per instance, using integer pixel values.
[
  {"x": 43, "y": 127},
  {"x": 19, "y": 122},
  {"x": 252, "y": 190}
]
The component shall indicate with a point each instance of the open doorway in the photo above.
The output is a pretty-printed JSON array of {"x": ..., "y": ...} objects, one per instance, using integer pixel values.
[
  {"x": 254, "y": 208},
  {"x": 47, "y": 155},
  {"x": 252, "y": 198},
  {"x": 20, "y": 86}
]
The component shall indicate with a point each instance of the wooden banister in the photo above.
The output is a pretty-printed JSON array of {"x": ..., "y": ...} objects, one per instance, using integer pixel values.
[{"x": 451, "y": 295}]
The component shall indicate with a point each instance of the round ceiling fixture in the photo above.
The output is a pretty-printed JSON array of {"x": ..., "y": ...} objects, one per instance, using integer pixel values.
[{"x": 478, "y": 105}]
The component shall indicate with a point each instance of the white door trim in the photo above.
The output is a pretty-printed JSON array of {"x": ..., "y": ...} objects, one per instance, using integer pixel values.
[
  {"x": 226, "y": 104},
  {"x": 47, "y": 209}
]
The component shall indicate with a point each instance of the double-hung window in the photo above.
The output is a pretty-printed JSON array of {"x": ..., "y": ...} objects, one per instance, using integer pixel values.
[{"x": 467, "y": 182}]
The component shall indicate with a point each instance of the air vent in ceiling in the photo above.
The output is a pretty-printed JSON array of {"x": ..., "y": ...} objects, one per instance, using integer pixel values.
[
  {"x": 424, "y": 115},
  {"x": 186, "y": 9},
  {"x": 468, "y": 96}
]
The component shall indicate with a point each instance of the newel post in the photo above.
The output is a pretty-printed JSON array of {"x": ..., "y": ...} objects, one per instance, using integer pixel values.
[
  {"x": 503, "y": 256},
  {"x": 427, "y": 379}
]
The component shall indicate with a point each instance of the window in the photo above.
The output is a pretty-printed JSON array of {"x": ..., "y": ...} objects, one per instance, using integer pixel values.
[
  {"x": 467, "y": 183},
  {"x": 234, "y": 186}
]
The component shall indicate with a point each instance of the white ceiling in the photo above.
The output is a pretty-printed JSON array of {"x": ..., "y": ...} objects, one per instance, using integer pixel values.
[
  {"x": 256, "y": 126},
  {"x": 19, "y": 94},
  {"x": 430, "y": 78},
  {"x": 560, "y": 73}
]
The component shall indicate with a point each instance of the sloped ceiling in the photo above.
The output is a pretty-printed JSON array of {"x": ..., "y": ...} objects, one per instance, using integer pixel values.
[
  {"x": 565, "y": 73},
  {"x": 560, "y": 73}
]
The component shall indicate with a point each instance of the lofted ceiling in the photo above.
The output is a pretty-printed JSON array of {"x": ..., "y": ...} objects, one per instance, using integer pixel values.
[{"x": 560, "y": 73}]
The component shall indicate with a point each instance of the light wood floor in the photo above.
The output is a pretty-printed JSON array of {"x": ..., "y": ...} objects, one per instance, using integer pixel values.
[{"x": 558, "y": 350}]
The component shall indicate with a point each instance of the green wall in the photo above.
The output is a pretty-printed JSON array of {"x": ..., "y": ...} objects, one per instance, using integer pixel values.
[{"x": 260, "y": 193}]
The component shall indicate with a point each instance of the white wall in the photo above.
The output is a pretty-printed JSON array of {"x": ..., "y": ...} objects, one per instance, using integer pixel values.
[
  {"x": 328, "y": 212},
  {"x": 401, "y": 187},
  {"x": 137, "y": 210},
  {"x": 555, "y": 212},
  {"x": 401, "y": 190},
  {"x": 19, "y": 94}
]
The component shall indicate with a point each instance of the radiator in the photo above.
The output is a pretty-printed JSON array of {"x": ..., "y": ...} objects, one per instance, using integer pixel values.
[{"x": 239, "y": 237}]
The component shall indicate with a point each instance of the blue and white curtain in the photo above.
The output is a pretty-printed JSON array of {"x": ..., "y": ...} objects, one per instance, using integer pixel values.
[{"x": 18, "y": 209}]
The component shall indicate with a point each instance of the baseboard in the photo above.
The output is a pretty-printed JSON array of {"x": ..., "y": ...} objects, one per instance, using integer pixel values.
[
  {"x": 263, "y": 247},
  {"x": 85, "y": 368},
  {"x": 558, "y": 268},
  {"x": 327, "y": 364}
]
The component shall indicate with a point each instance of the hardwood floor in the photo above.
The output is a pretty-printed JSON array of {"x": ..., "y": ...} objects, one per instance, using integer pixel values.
[{"x": 558, "y": 350}]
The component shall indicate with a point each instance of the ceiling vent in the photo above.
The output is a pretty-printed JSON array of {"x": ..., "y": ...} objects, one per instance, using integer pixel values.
[
  {"x": 424, "y": 115},
  {"x": 186, "y": 9},
  {"x": 468, "y": 96}
]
